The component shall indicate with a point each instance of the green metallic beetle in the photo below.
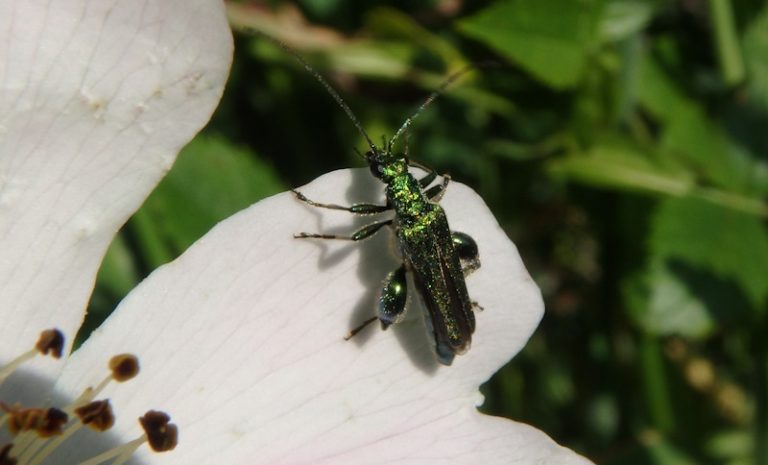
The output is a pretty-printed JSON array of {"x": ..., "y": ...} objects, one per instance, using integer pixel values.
[{"x": 438, "y": 259}]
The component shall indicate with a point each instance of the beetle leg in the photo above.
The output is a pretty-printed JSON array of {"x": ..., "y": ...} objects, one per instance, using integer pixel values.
[
  {"x": 358, "y": 208},
  {"x": 391, "y": 303},
  {"x": 362, "y": 326},
  {"x": 363, "y": 233},
  {"x": 428, "y": 178},
  {"x": 435, "y": 193}
]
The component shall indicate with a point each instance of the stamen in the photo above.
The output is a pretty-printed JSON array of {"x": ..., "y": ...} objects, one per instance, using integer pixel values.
[
  {"x": 97, "y": 415},
  {"x": 39, "y": 431},
  {"x": 124, "y": 367},
  {"x": 161, "y": 433},
  {"x": 28, "y": 425},
  {"x": 123, "y": 453},
  {"x": 32, "y": 425},
  {"x": 5, "y": 455},
  {"x": 44, "y": 422},
  {"x": 35, "y": 454},
  {"x": 51, "y": 342}
]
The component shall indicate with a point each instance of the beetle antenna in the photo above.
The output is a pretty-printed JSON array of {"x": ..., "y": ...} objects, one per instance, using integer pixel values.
[
  {"x": 439, "y": 91},
  {"x": 327, "y": 86}
]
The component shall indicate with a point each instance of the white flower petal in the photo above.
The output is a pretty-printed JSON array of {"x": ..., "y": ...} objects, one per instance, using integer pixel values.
[
  {"x": 96, "y": 99},
  {"x": 241, "y": 341}
]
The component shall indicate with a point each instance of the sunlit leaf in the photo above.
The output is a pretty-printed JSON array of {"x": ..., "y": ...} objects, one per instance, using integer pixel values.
[
  {"x": 623, "y": 18},
  {"x": 619, "y": 165},
  {"x": 706, "y": 269},
  {"x": 756, "y": 57},
  {"x": 730, "y": 244},
  {"x": 551, "y": 40}
]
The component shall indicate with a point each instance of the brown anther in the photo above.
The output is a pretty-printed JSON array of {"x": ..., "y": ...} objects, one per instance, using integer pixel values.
[
  {"x": 161, "y": 434},
  {"x": 51, "y": 341},
  {"x": 124, "y": 367},
  {"x": 53, "y": 425},
  {"x": 97, "y": 415},
  {"x": 46, "y": 422},
  {"x": 5, "y": 455},
  {"x": 23, "y": 419}
]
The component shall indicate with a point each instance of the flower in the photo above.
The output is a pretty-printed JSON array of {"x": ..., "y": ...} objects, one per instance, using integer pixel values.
[{"x": 241, "y": 339}]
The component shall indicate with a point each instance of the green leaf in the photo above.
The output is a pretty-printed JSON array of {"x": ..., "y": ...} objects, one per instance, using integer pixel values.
[
  {"x": 652, "y": 449},
  {"x": 390, "y": 60},
  {"x": 551, "y": 40},
  {"x": 695, "y": 140},
  {"x": 730, "y": 444},
  {"x": 390, "y": 22},
  {"x": 756, "y": 57},
  {"x": 373, "y": 59},
  {"x": 656, "y": 91},
  {"x": 660, "y": 450},
  {"x": 729, "y": 244},
  {"x": 706, "y": 270},
  {"x": 210, "y": 181},
  {"x": 619, "y": 165},
  {"x": 679, "y": 299},
  {"x": 118, "y": 273},
  {"x": 728, "y": 50},
  {"x": 623, "y": 18}
]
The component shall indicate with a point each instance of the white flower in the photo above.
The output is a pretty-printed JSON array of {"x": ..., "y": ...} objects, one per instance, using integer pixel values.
[{"x": 240, "y": 340}]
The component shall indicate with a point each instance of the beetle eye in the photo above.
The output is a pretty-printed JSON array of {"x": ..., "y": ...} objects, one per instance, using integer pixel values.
[{"x": 376, "y": 170}]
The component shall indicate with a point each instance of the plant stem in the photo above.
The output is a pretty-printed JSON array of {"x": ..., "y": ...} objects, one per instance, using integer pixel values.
[
  {"x": 656, "y": 386},
  {"x": 728, "y": 51},
  {"x": 761, "y": 396}
]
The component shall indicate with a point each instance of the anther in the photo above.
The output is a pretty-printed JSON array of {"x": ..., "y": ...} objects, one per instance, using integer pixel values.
[
  {"x": 38, "y": 432},
  {"x": 97, "y": 415},
  {"x": 53, "y": 423},
  {"x": 51, "y": 342},
  {"x": 161, "y": 433},
  {"x": 45, "y": 422},
  {"x": 124, "y": 367}
]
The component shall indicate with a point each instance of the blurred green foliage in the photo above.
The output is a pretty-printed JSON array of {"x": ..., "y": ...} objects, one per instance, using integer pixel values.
[{"x": 621, "y": 144}]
